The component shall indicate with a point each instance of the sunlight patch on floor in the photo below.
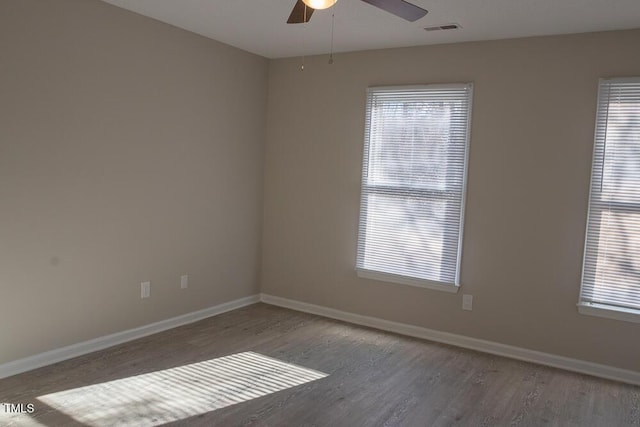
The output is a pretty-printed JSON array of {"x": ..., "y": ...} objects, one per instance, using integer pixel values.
[
  {"x": 179, "y": 393},
  {"x": 17, "y": 419}
]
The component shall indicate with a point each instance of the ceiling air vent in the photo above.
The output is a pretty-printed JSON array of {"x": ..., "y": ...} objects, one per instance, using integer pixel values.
[{"x": 444, "y": 27}]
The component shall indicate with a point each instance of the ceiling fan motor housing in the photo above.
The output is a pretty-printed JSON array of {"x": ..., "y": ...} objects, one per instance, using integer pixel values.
[{"x": 320, "y": 4}]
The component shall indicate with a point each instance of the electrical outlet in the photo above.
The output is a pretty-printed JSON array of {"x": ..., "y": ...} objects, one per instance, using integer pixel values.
[
  {"x": 184, "y": 281},
  {"x": 145, "y": 289},
  {"x": 467, "y": 302}
]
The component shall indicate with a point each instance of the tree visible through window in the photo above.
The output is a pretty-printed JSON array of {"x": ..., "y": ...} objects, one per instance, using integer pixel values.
[{"x": 413, "y": 183}]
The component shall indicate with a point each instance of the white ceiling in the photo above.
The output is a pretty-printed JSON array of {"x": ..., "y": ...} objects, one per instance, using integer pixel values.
[{"x": 259, "y": 26}]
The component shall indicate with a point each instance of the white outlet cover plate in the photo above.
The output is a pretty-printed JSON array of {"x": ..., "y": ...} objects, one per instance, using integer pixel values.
[
  {"x": 145, "y": 289},
  {"x": 467, "y": 302}
]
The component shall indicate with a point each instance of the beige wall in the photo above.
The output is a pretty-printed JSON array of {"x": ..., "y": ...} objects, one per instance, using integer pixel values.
[
  {"x": 130, "y": 150},
  {"x": 531, "y": 142}
]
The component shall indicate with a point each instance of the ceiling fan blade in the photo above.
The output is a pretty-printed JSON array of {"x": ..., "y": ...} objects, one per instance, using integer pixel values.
[
  {"x": 400, "y": 8},
  {"x": 298, "y": 13}
]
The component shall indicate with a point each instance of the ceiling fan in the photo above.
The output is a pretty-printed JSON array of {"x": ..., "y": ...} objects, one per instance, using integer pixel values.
[{"x": 303, "y": 9}]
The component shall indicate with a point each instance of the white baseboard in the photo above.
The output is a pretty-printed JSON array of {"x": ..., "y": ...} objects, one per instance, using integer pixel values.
[
  {"x": 569, "y": 364},
  {"x": 79, "y": 349}
]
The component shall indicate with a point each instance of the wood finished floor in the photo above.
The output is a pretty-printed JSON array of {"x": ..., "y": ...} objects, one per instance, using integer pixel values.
[{"x": 374, "y": 379}]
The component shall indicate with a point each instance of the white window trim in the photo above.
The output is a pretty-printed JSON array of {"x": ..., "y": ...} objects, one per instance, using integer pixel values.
[
  {"x": 609, "y": 312},
  {"x": 405, "y": 280},
  {"x": 590, "y": 308},
  {"x": 423, "y": 283}
]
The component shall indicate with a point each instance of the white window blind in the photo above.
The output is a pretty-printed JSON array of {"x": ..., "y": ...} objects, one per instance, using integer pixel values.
[
  {"x": 611, "y": 271},
  {"x": 413, "y": 184}
]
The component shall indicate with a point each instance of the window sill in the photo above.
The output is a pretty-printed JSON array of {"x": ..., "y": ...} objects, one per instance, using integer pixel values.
[
  {"x": 609, "y": 312},
  {"x": 404, "y": 280}
]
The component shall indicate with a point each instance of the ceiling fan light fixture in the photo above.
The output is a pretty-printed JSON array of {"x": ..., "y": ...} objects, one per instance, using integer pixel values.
[{"x": 320, "y": 4}]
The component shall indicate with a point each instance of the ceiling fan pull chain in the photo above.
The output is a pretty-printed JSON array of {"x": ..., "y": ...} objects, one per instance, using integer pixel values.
[
  {"x": 333, "y": 18},
  {"x": 304, "y": 36}
]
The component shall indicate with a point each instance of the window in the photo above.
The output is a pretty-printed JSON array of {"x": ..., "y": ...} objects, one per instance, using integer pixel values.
[
  {"x": 611, "y": 271},
  {"x": 413, "y": 184}
]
